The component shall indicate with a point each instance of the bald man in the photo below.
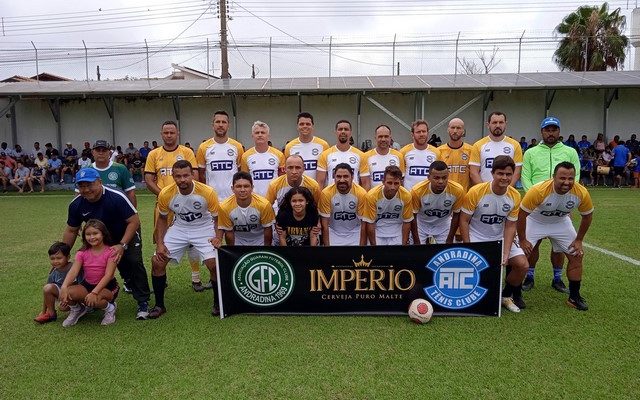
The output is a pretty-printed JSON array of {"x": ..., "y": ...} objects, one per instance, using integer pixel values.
[{"x": 456, "y": 153}]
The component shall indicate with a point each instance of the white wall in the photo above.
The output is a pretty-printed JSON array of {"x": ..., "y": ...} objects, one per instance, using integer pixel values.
[
  {"x": 84, "y": 120},
  {"x": 5, "y": 125}
]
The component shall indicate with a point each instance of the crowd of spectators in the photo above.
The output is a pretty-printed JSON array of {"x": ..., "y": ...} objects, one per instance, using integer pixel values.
[{"x": 616, "y": 163}]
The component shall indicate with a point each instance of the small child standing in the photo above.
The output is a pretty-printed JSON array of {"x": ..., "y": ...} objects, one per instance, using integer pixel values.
[
  {"x": 99, "y": 288},
  {"x": 60, "y": 266}
]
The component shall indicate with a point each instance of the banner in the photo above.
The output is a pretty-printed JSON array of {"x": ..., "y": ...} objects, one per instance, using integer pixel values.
[{"x": 457, "y": 279}]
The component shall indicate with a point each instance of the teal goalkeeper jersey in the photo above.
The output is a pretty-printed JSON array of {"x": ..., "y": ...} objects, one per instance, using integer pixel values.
[
  {"x": 539, "y": 161},
  {"x": 116, "y": 176}
]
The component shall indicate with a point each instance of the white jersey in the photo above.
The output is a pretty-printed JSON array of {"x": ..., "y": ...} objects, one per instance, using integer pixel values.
[
  {"x": 220, "y": 162},
  {"x": 345, "y": 212},
  {"x": 263, "y": 167},
  {"x": 310, "y": 152},
  {"x": 192, "y": 211},
  {"x": 485, "y": 150},
  {"x": 489, "y": 211},
  {"x": 417, "y": 163},
  {"x": 388, "y": 214},
  {"x": 433, "y": 211},
  {"x": 377, "y": 162},
  {"x": 330, "y": 158}
]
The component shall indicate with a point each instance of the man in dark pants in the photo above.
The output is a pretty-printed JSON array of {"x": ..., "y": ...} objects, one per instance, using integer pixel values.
[{"x": 121, "y": 218}]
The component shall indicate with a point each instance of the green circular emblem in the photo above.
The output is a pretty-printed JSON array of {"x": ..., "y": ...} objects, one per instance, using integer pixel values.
[{"x": 263, "y": 279}]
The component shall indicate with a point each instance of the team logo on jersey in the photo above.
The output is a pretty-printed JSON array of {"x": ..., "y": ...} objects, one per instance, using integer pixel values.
[
  {"x": 231, "y": 152},
  {"x": 571, "y": 204},
  {"x": 488, "y": 163},
  {"x": 392, "y": 162},
  {"x": 377, "y": 176},
  {"x": 492, "y": 219},
  {"x": 222, "y": 165},
  {"x": 506, "y": 207},
  {"x": 262, "y": 174},
  {"x": 272, "y": 161},
  {"x": 436, "y": 213},
  {"x": 397, "y": 208},
  {"x": 310, "y": 165},
  {"x": 263, "y": 279},
  {"x": 465, "y": 156},
  {"x": 352, "y": 205},
  {"x": 456, "y": 278},
  {"x": 344, "y": 216},
  {"x": 353, "y": 160},
  {"x": 179, "y": 157},
  {"x": 112, "y": 175},
  {"x": 430, "y": 159},
  {"x": 253, "y": 218},
  {"x": 417, "y": 170},
  {"x": 447, "y": 203},
  {"x": 197, "y": 205},
  {"x": 315, "y": 152},
  {"x": 507, "y": 150}
]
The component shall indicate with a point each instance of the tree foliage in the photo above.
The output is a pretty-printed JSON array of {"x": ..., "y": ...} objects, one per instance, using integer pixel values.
[{"x": 593, "y": 35}]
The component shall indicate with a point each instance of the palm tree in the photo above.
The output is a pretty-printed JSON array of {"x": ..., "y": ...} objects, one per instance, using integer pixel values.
[{"x": 591, "y": 35}]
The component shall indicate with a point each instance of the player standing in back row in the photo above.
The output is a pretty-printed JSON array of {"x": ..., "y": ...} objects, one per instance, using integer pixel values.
[
  {"x": 309, "y": 147},
  {"x": 219, "y": 157},
  {"x": 418, "y": 155},
  {"x": 489, "y": 147},
  {"x": 262, "y": 161}
]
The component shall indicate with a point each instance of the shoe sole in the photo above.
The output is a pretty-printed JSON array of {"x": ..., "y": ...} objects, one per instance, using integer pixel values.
[
  {"x": 570, "y": 304},
  {"x": 142, "y": 316}
]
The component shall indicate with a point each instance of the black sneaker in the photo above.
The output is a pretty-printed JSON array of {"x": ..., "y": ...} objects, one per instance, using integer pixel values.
[
  {"x": 156, "y": 312},
  {"x": 519, "y": 301},
  {"x": 559, "y": 286},
  {"x": 528, "y": 283},
  {"x": 197, "y": 286},
  {"x": 215, "y": 311},
  {"x": 578, "y": 304}
]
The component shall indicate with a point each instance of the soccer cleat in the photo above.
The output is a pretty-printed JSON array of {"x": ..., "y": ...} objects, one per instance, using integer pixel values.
[
  {"x": 143, "y": 311},
  {"x": 215, "y": 311},
  {"x": 559, "y": 286},
  {"x": 519, "y": 302},
  {"x": 578, "y": 303},
  {"x": 109, "y": 316},
  {"x": 74, "y": 315},
  {"x": 528, "y": 283},
  {"x": 45, "y": 317},
  {"x": 507, "y": 302},
  {"x": 156, "y": 312},
  {"x": 208, "y": 286},
  {"x": 197, "y": 286}
]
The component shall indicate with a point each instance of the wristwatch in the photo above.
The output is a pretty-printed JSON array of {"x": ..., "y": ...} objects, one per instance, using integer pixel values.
[{"x": 125, "y": 246}]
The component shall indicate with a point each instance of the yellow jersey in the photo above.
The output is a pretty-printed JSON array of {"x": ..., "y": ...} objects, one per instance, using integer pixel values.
[
  {"x": 546, "y": 206},
  {"x": 247, "y": 223},
  {"x": 388, "y": 214},
  {"x": 485, "y": 150},
  {"x": 193, "y": 210},
  {"x": 263, "y": 167},
  {"x": 417, "y": 163},
  {"x": 310, "y": 152},
  {"x": 279, "y": 187},
  {"x": 160, "y": 162},
  {"x": 220, "y": 161},
  {"x": 376, "y": 163},
  {"x": 489, "y": 211},
  {"x": 458, "y": 162}
]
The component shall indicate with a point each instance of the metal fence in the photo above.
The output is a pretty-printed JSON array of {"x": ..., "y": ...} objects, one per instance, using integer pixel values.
[{"x": 284, "y": 57}]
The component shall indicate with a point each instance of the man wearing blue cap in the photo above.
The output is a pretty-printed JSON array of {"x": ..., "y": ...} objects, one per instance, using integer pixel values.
[
  {"x": 114, "y": 209},
  {"x": 537, "y": 166}
]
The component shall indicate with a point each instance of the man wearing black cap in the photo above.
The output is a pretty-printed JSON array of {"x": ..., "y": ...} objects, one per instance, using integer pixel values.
[
  {"x": 113, "y": 175},
  {"x": 537, "y": 166},
  {"x": 110, "y": 206}
]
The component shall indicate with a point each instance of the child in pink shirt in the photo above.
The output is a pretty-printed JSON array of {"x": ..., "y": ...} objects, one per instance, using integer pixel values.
[{"x": 98, "y": 289}]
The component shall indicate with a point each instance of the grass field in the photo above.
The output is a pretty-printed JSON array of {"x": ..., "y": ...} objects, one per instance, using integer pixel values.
[{"x": 547, "y": 351}]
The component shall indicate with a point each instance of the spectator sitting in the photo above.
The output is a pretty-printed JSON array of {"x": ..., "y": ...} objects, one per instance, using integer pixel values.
[
  {"x": 144, "y": 150},
  {"x": 21, "y": 177},
  {"x": 55, "y": 166},
  {"x": 435, "y": 140},
  {"x": 571, "y": 142},
  {"x": 634, "y": 164},
  {"x": 614, "y": 142},
  {"x": 87, "y": 151},
  {"x": 37, "y": 175},
  {"x": 70, "y": 152},
  {"x": 532, "y": 143},
  {"x": 8, "y": 161},
  {"x": 154, "y": 144},
  {"x": 523, "y": 143},
  {"x": 130, "y": 151},
  {"x": 49, "y": 150},
  {"x": 6, "y": 150},
  {"x": 633, "y": 144},
  {"x": 587, "y": 158},
  {"x": 68, "y": 167},
  {"x": 584, "y": 144},
  {"x": 599, "y": 144},
  {"x": 5, "y": 175},
  {"x": 35, "y": 151},
  {"x": 19, "y": 154},
  {"x": 136, "y": 166},
  {"x": 83, "y": 162}
]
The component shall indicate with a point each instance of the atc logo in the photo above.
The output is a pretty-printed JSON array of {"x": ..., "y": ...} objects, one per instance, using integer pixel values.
[
  {"x": 456, "y": 278},
  {"x": 263, "y": 279}
]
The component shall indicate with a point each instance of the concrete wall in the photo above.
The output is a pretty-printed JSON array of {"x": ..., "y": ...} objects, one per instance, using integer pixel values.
[{"x": 581, "y": 111}]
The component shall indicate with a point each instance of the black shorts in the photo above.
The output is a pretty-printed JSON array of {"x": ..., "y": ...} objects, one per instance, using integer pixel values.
[
  {"x": 618, "y": 171},
  {"x": 112, "y": 286}
]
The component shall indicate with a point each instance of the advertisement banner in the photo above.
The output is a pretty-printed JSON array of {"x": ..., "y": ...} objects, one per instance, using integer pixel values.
[{"x": 457, "y": 279}]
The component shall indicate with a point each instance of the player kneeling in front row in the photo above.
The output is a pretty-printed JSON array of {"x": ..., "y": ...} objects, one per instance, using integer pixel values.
[
  {"x": 545, "y": 212},
  {"x": 195, "y": 205},
  {"x": 490, "y": 212}
]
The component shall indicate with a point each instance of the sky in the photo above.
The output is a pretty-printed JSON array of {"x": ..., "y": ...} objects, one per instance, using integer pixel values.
[{"x": 361, "y": 34}]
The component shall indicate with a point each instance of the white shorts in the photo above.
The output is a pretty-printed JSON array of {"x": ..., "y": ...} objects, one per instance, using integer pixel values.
[
  {"x": 561, "y": 234},
  {"x": 513, "y": 252},
  {"x": 440, "y": 238},
  {"x": 344, "y": 240},
  {"x": 178, "y": 239},
  {"x": 388, "y": 241}
]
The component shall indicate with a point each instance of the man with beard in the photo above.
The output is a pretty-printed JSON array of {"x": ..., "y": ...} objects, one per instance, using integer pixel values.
[
  {"x": 418, "y": 155},
  {"x": 219, "y": 157},
  {"x": 436, "y": 204},
  {"x": 488, "y": 148},
  {"x": 538, "y": 165},
  {"x": 382, "y": 156},
  {"x": 342, "y": 152},
  {"x": 545, "y": 211},
  {"x": 388, "y": 211},
  {"x": 456, "y": 153},
  {"x": 308, "y": 146},
  {"x": 195, "y": 206},
  {"x": 341, "y": 207}
]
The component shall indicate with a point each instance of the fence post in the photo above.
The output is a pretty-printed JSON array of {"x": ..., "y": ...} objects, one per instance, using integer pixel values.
[
  {"x": 330, "y": 43},
  {"x": 393, "y": 55},
  {"x": 37, "y": 70},
  {"x": 270, "y": 40},
  {"x": 586, "y": 50},
  {"x": 455, "y": 71},
  {"x": 208, "y": 74},
  {"x": 520, "y": 50},
  {"x": 147, "y": 49},
  {"x": 86, "y": 60}
]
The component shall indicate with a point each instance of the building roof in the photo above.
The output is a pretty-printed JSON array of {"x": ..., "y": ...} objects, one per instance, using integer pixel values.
[
  {"x": 194, "y": 72},
  {"x": 355, "y": 84}
]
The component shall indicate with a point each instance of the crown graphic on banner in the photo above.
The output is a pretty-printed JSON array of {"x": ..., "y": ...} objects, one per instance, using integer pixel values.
[{"x": 362, "y": 263}]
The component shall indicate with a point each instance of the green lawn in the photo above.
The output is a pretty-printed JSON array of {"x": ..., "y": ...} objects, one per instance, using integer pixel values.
[{"x": 547, "y": 351}]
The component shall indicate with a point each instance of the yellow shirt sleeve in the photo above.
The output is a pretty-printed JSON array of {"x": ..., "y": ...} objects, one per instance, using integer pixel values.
[
  {"x": 164, "y": 197},
  {"x": 407, "y": 206},
  {"x": 200, "y": 155},
  {"x": 515, "y": 195},
  {"x": 244, "y": 164},
  {"x": 324, "y": 206},
  {"x": 474, "y": 158},
  {"x": 322, "y": 161},
  {"x": 533, "y": 198},
  {"x": 267, "y": 217},
  {"x": 212, "y": 202},
  {"x": 361, "y": 195},
  {"x": 150, "y": 163},
  {"x": 458, "y": 191},
  {"x": 370, "y": 210},
  {"x": 224, "y": 219},
  {"x": 471, "y": 199},
  {"x": 586, "y": 204}
]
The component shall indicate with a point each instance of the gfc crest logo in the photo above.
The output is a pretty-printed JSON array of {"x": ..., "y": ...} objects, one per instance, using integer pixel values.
[
  {"x": 263, "y": 279},
  {"x": 456, "y": 278}
]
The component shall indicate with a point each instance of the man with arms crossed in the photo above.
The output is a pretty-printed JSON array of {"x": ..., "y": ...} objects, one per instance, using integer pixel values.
[
  {"x": 342, "y": 152},
  {"x": 157, "y": 176},
  {"x": 537, "y": 166},
  {"x": 341, "y": 209},
  {"x": 382, "y": 156},
  {"x": 195, "y": 205},
  {"x": 219, "y": 157},
  {"x": 545, "y": 212},
  {"x": 490, "y": 212},
  {"x": 418, "y": 155},
  {"x": 308, "y": 146},
  {"x": 436, "y": 203},
  {"x": 388, "y": 210},
  {"x": 485, "y": 150},
  {"x": 262, "y": 161}
]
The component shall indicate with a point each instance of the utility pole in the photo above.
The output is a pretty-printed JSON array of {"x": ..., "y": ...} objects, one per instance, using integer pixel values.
[{"x": 223, "y": 39}]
